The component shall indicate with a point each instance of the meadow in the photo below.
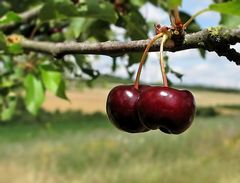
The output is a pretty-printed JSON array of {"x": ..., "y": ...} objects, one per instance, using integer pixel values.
[{"x": 80, "y": 147}]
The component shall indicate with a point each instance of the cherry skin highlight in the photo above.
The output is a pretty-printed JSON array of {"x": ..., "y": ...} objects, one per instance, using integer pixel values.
[
  {"x": 170, "y": 110},
  {"x": 122, "y": 108}
]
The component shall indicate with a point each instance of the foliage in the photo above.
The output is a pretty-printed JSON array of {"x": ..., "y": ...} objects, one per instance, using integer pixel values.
[
  {"x": 206, "y": 111},
  {"x": 30, "y": 74}
]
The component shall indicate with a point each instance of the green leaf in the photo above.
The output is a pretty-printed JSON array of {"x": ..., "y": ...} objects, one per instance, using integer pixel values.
[
  {"x": 53, "y": 81},
  {"x": 55, "y": 10},
  {"x": 10, "y": 17},
  {"x": 66, "y": 9},
  {"x": 15, "y": 48},
  {"x": 93, "y": 30},
  {"x": 35, "y": 93},
  {"x": 77, "y": 26},
  {"x": 230, "y": 20},
  {"x": 133, "y": 20},
  {"x": 48, "y": 11},
  {"x": 3, "y": 44},
  {"x": 231, "y": 7},
  {"x": 138, "y": 3},
  {"x": 9, "y": 109},
  {"x": 104, "y": 11},
  {"x": 174, "y": 3},
  {"x": 202, "y": 52}
]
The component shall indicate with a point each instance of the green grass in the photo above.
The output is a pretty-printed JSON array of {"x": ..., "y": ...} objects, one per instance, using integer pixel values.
[{"x": 74, "y": 147}]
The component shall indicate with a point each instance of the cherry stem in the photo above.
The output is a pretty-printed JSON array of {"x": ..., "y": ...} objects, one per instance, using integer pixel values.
[
  {"x": 185, "y": 25},
  {"x": 144, "y": 56},
  {"x": 162, "y": 63}
]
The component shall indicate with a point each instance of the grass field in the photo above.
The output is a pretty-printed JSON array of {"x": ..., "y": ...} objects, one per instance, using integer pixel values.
[
  {"x": 94, "y": 99},
  {"x": 75, "y": 147}
]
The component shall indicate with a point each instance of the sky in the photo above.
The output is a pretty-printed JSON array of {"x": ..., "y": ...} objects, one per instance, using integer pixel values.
[{"x": 213, "y": 71}]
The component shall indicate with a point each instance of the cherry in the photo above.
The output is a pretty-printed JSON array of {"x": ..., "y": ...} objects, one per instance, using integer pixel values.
[
  {"x": 122, "y": 108},
  {"x": 171, "y": 110},
  {"x": 140, "y": 108}
]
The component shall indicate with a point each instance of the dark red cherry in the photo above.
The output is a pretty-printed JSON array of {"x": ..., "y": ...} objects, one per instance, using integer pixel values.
[
  {"x": 170, "y": 110},
  {"x": 122, "y": 108}
]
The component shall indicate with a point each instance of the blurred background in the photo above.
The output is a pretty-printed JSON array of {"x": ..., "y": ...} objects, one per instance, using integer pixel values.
[{"x": 74, "y": 142}]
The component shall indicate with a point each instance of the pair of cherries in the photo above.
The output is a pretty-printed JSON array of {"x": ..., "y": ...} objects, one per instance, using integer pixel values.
[
  {"x": 145, "y": 108},
  {"x": 140, "y": 108}
]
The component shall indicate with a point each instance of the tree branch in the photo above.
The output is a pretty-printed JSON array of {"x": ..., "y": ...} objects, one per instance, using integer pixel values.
[
  {"x": 213, "y": 39},
  {"x": 25, "y": 17}
]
